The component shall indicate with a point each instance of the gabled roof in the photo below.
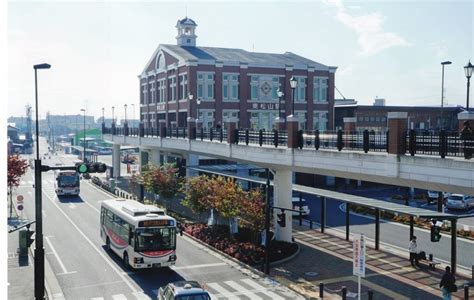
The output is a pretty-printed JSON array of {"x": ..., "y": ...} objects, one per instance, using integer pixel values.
[{"x": 241, "y": 56}]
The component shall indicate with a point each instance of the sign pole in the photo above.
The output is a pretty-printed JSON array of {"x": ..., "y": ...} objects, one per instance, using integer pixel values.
[{"x": 358, "y": 263}]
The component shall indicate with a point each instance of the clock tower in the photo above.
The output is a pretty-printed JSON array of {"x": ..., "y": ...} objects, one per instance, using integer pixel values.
[{"x": 186, "y": 35}]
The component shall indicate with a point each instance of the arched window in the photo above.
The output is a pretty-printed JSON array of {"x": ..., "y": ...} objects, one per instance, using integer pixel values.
[{"x": 160, "y": 62}]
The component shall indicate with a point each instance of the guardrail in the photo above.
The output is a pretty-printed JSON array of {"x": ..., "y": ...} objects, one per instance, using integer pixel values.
[{"x": 442, "y": 143}]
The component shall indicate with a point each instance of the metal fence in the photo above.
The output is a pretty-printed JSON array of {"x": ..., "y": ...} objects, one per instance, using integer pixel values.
[{"x": 442, "y": 143}]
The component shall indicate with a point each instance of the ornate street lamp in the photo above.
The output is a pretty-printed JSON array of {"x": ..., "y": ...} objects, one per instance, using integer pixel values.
[
  {"x": 468, "y": 72},
  {"x": 442, "y": 92},
  {"x": 198, "y": 102},
  {"x": 293, "y": 85},
  {"x": 280, "y": 95}
]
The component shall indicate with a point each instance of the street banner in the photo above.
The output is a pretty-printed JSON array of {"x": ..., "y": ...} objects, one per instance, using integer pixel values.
[{"x": 358, "y": 263}]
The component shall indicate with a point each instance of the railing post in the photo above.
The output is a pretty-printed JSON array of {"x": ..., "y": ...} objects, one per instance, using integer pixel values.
[
  {"x": 366, "y": 145},
  {"x": 300, "y": 139},
  {"x": 275, "y": 138},
  {"x": 370, "y": 294},
  {"x": 321, "y": 290},
  {"x": 317, "y": 141},
  {"x": 344, "y": 293},
  {"x": 397, "y": 125},
  {"x": 292, "y": 127},
  {"x": 125, "y": 129},
  {"x": 236, "y": 135},
  {"x": 231, "y": 128},
  {"x": 260, "y": 137},
  {"x": 246, "y": 136},
  {"x": 211, "y": 134},
  {"x": 339, "y": 140},
  {"x": 141, "y": 129},
  {"x": 191, "y": 128},
  {"x": 162, "y": 128},
  {"x": 221, "y": 135},
  {"x": 442, "y": 143},
  {"x": 114, "y": 129},
  {"x": 412, "y": 142}
]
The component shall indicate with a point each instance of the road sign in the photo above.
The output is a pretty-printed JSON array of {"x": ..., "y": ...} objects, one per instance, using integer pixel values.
[
  {"x": 19, "y": 198},
  {"x": 359, "y": 255},
  {"x": 19, "y": 207}
]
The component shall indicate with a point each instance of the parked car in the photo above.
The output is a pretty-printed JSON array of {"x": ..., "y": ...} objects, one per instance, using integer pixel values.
[
  {"x": 433, "y": 196},
  {"x": 458, "y": 201},
  {"x": 189, "y": 290},
  {"x": 296, "y": 205}
]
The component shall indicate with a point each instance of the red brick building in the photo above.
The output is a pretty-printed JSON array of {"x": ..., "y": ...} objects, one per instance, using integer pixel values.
[{"x": 232, "y": 83}]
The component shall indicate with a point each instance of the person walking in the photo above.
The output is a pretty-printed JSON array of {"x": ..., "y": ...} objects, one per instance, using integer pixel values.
[
  {"x": 448, "y": 284},
  {"x": 467, "y": 135},
  {"x": 413, "y": 249}
]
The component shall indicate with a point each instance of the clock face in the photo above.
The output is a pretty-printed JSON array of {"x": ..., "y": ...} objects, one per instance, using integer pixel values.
[{"x": 265, "y": 88}]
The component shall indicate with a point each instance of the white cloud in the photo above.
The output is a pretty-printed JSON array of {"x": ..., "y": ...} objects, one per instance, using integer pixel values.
[{"x": 371, "y": 37}]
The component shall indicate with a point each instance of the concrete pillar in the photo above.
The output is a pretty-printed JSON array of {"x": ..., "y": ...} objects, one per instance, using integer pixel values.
[
  {"x": 282, "y": 193},
  {"x": 191, "y": 128},
  {"x": 162, "y": 128},
  {"x": 466, "y": 116},
  {"x": 292, "y": 125},
  {"x": 155, "y": 157},
  {"x": 397, "y": 127},
  {"x": 350, "y": 124},
  {"x": 231, "y": 126},
  {"x": 143, "y": 158},
  {"x": 191, "y": 160},
  {"x": 280, "y": 123},
  {"x": 116, "y": 160}
]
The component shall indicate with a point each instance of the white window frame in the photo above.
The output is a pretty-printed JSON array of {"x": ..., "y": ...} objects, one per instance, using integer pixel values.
[
  {"x": 255, "y": 83},
  {"x": 172, "y": 87},
  {"x": 206, "y": 83},
  {"x": 145, "y": 93},
  {"x": 152, "y": 91},
  {"x": 227, "y": 85},
  {"x": 319, "y": 113},
  {"x": 234, "y": 113},
  {"x": 183, "y": 83},
  {"x": 302, "y": 117},
  {"x": 300, "y": 88},
  {"x": 162, "y": 90},
  {"x": 320, "y": 89}
]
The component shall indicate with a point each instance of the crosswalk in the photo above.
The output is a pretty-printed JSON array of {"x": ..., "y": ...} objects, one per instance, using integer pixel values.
[{"x": 231, "y": 289}]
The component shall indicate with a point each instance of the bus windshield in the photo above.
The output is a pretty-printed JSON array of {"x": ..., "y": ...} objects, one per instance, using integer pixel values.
[
  {"x": 68, "y": 180},
  {"x": 154, "y": 239}
]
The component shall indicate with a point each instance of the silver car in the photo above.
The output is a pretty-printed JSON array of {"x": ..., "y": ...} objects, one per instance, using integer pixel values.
[
  {"x": 183, "y": 290},
  {"x": 458, "y": 201}
]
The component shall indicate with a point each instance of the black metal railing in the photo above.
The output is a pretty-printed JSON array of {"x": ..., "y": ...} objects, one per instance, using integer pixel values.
[{"x": 441, "y": 143}]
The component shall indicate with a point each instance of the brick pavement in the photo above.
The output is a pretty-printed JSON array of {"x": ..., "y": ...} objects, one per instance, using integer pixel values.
[{"x": 328, "y": 259}]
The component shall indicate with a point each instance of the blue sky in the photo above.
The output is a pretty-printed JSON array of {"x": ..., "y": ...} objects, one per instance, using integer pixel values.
[{"x": 389, "y": 49}]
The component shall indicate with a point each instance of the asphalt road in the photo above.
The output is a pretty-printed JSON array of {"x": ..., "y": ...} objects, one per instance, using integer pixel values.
[
  {"x": 86, "y": 271},
  {"x": 393, "y": 234}
]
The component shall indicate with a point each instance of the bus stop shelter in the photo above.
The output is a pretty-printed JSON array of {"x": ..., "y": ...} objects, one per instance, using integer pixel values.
[{"x": 349, "y": 200}]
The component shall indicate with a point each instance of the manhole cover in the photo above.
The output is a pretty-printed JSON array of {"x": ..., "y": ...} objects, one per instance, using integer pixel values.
[{"x": 312, "y": 274}]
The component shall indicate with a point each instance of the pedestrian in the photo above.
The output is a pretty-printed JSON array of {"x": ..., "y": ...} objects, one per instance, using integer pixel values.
[
  {"x": 448, "y": 284},
  {"x": 467, "y": 135},
  {"x": 413, "y": 249}
]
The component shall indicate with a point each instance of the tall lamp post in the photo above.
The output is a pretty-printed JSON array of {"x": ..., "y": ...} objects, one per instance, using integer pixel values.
[
  {"x": 198, "y": 102},
  {"x": 84, "y": 137},
  {"x": 39, "y": 250},
  {"x": 103, "y": 117},
  {"x": 442, "y": 91},
  {"x": 468, "y": 72},
  {"x": 113, "y": 118},
  {"x": 280, "y": 95},
  {"x": 293, "y": 85},
  {"x": 125, "y": 107}
]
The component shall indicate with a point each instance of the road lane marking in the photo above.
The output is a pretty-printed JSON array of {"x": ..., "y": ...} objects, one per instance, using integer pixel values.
[
  {"x": 141, "y": 295},
  {"x": 61, "y": 264},
  {"x": 221, "y": 290},
  {"x": 265, "y": 291},
  {"x": 238, "y": 287},
  {"x": 199, "y": 266},
  {"x": 59, "y": 274},
  {"x": 111, "y": 264},
  {"x": 119, "y": 297}
]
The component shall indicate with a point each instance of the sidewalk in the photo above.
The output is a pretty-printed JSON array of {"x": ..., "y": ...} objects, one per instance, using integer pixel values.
[{"x": 328, "y": 258}]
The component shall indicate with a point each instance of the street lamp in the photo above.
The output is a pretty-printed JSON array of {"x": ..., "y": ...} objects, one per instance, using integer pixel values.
[
  {"x": 468, "y": 72},
  {"x": 293, "y": 85},
  {"x": 103, "y": 117},
  {"x": 113, "y": 119},
  {"x": 442, "y": 91},
  {"x": 198, "y": 102},
  {"x": 39, "y": 250},
  {"x": 280, "y": 95},
  {"x": 125, "y": 106},
  {"x": 133, "y": 114},
  {"x": 84, "y": 137}
]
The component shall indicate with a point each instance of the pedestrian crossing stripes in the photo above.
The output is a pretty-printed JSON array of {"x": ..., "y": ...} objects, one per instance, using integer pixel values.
[{"x": 230, "y": 289}]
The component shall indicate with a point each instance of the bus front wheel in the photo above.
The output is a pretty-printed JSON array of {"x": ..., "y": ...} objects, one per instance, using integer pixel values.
[
  {"x": 107, "y": 244},
  {"x": 125, "y": 260}
]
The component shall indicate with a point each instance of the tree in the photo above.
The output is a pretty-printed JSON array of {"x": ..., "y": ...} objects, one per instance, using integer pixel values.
[
  {"x": 16, "y": 169},
  {"x": 253, "y": 211},
  {"x": 197, "y": 194},
  {"x": 162, "y": 180}
]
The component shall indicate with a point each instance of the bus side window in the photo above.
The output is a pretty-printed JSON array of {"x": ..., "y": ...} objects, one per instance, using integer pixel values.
[{"x": 131, "y": 240}]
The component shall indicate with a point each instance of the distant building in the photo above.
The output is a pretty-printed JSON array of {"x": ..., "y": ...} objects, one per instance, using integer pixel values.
[
  {"x": 374, "y": 117},
  {"x": 232, "y": 83}
]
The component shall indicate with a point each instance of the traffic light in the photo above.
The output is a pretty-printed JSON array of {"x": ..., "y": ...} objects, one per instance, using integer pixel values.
[
  {"x": 435, "y": 232},
  {"x": 29, "y": 239},
  {"x": 91, "y": 167},
  {"x": 281, "y": 219}
]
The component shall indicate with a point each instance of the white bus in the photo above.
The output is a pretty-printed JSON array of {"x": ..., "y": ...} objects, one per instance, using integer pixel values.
[
  {"x": 67, "y": 183},
  {"x": 142, "y": 235}
]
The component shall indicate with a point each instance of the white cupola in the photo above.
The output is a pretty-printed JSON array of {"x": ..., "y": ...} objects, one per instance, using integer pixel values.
[{"x": 186, "y": 35}]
